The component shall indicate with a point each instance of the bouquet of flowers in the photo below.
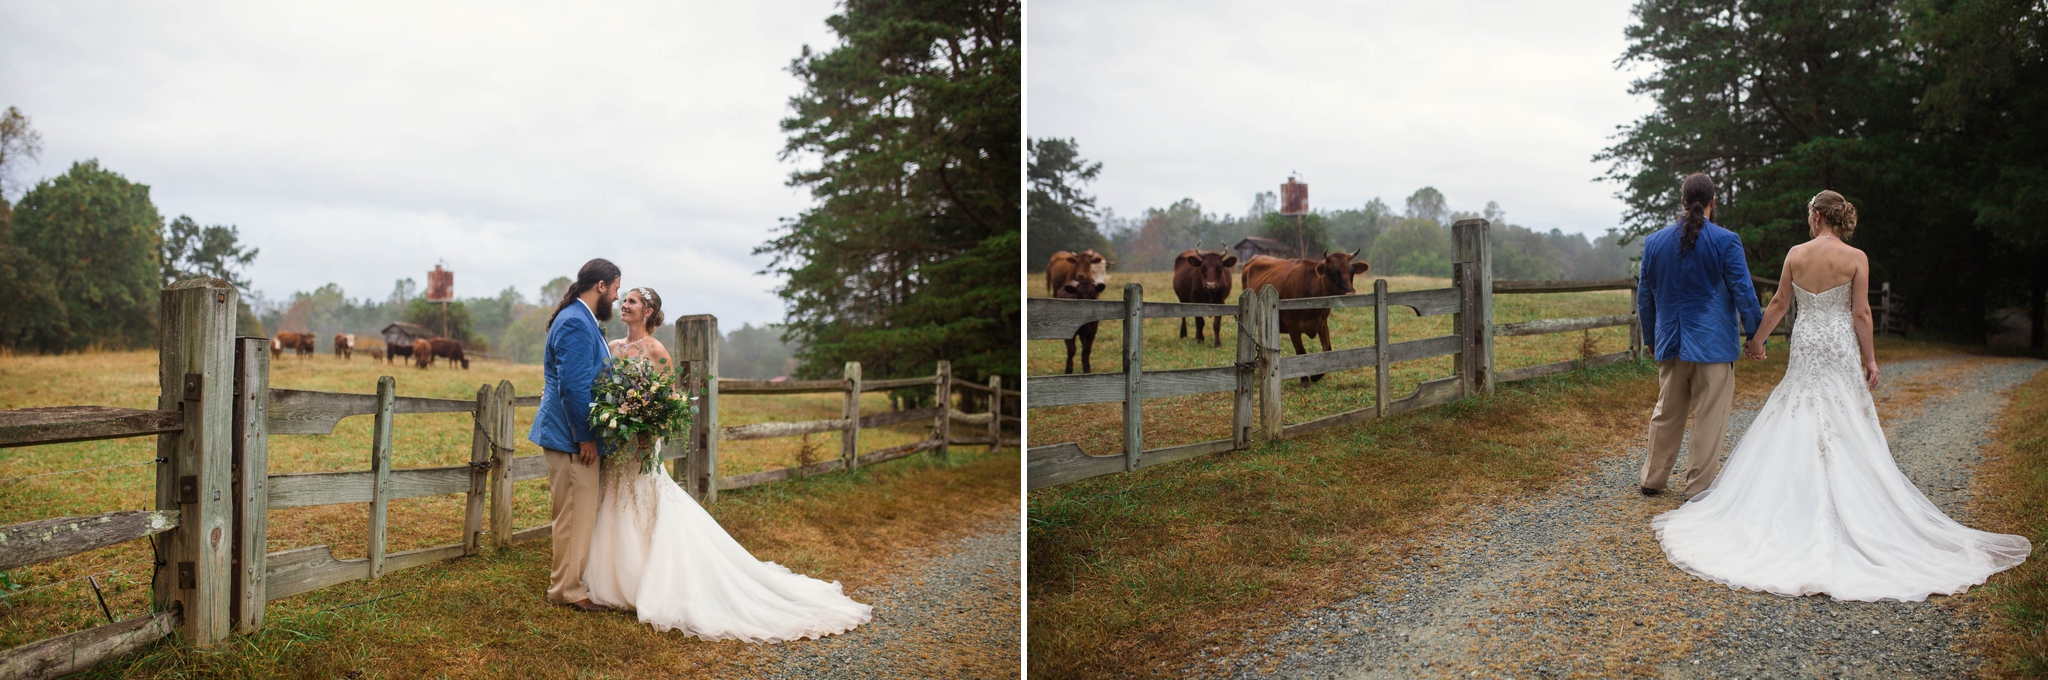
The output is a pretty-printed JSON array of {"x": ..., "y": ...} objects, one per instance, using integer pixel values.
[{"x": 637, "y": 400}]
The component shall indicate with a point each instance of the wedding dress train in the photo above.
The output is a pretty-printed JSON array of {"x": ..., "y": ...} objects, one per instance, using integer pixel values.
[
  {"x": 1810, "y": 500},
  {"x": 657, "y": 552}
]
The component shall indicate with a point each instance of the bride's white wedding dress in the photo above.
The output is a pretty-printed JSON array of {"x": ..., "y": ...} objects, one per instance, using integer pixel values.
[
  {"x": 1811, "y": 501},
  {"x": 657, "y": 552}
]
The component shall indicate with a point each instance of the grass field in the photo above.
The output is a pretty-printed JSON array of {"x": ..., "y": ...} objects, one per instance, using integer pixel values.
[
  {"x": 1193, "y": 418},
  {"x": 834, "y": 526},
  {"x": 2014, "y": 500}
]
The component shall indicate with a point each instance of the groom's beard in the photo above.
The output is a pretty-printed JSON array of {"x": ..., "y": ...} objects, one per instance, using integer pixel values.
[{"x": 604, "y": 308}]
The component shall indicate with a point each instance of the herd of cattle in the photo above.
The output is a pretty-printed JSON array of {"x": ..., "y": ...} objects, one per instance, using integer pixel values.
[
  {"x": 1205, "y": 277},
  {"x": 420, "y": 352}
]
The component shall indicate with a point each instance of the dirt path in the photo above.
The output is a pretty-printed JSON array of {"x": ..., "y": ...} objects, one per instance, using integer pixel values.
[
  {"x": 1574, "y": 584},
  {"x": 954, "y": 617}
]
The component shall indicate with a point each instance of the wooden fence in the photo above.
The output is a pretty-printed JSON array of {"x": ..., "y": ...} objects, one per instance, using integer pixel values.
[
  {"x": 217, "y": 412},
  {"x": 1260, "y": 366}
]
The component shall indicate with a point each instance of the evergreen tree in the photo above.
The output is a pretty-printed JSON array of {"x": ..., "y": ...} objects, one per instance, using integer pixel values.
[
  {"x": 910, "y": 253},
  {"x": 85, "y": 254},
  {"x": 1060, "y": 211}
]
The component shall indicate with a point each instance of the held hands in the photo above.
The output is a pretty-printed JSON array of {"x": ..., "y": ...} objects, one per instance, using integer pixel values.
[
  {"x": 586, "y": 452},
  {"x": 1754, "y": 350}
]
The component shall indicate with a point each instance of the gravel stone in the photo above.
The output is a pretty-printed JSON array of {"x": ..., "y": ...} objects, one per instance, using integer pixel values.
[
  {"x": 1574, "y": 584},
  {"x": 954, "y": 616}
]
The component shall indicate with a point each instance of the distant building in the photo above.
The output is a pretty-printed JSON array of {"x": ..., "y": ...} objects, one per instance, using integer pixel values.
[{"x": 1260, "y": 245}]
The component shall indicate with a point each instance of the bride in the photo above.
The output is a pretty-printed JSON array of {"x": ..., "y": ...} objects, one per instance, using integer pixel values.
[
  {"x": 656, "y": 551},
  {"x": 1810, "y": 501}
]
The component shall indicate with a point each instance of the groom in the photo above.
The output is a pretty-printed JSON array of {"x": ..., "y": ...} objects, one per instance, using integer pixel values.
[
  {"x": 574, "y": 355},
  {"x": 1694, "y": 286}
]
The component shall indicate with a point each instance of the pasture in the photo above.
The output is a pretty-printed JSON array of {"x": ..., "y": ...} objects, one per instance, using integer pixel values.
[
  {"x": 837, "y": 526},
  {"x": 1194, "y": 418}
]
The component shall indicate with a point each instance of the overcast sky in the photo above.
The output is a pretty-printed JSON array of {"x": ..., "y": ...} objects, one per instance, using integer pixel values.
[
  {"x": 1216, "y": 101},
  {"x": 358, "y": 143}
]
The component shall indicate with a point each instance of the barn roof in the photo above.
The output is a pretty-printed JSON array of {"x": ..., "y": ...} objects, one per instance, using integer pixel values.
[{"x": 411, "y": 331}]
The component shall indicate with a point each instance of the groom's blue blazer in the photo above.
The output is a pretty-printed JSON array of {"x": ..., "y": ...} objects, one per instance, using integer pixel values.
[
  {"x": 574, "y": 355},
  {"x": 1691, "y": 302}
]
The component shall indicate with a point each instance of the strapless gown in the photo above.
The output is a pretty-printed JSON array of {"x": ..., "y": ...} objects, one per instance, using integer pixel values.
[{"x": 1810, "y": 500}]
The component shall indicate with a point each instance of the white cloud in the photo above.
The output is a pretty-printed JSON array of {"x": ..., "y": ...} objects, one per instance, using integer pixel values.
[
  {"x": 1216, "y": 101},
  {"x": 359, "y": 143}
]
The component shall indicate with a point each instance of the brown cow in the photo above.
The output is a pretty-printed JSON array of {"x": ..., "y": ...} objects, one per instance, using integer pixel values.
[
  {"x": 1081, "y": 288},
  {"x": 446, "y": 347},
  {"x": 1205, "y": 278},
  {"x": 375, "y": 353},
  {"x": 422, "y": 353},
  {"x": 1064, "y": 266},
  {"x": 345, "y": 345},
  {"x": 1304, "y": 279},
  {"x": 276, "y": 349},
  {"x": 301, "y": 344}
]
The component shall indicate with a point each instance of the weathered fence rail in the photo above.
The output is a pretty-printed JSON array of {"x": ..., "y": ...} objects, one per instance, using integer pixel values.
[{"x": 217, "y": 412}]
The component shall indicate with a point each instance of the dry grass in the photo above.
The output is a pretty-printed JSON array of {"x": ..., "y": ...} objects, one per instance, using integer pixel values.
[
  {"x": 2012, "y": 497},
  {"x": 835, "y": 526},
  {"x": 1132, "y": 574}
]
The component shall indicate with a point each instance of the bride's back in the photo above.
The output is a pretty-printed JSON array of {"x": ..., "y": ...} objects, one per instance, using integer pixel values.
[{"x": 1822, "y": 264}]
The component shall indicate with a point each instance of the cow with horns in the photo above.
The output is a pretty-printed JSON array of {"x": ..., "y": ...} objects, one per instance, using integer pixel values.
[
  {"x": 1305, "y": 278},
  {"x": 1202, "y": 277}
]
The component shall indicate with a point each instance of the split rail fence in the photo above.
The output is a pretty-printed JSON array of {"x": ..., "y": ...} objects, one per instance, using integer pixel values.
[
  {"x": 1260, "y": 366},
  {"x": 217, "y": 412}
]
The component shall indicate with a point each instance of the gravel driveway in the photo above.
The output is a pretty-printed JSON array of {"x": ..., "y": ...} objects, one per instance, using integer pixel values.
[
  {"x": 955, "y": 616},
  {"x": 1574, "y": 584}
]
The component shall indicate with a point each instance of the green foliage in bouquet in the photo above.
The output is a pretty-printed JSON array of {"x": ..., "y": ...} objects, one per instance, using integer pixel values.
[{"x": 636, "y": 399}]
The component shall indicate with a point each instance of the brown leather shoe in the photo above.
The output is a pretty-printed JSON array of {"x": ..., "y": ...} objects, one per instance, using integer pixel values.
[
  {"x": 1647, "y": 491},
  {"x": 587, "y": 605}
]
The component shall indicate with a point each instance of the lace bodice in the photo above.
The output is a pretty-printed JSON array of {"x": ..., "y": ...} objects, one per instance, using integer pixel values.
[{"x": 1824, "y": 337}]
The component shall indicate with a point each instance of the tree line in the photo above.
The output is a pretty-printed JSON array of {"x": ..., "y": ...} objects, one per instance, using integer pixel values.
[
  {"x": 1929, "y": 115},
  {"x": 1415, "y": 241},
  {"x": 83, "y": 254}
]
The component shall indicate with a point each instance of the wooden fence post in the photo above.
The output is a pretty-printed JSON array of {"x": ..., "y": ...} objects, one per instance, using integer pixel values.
[
  {"x": 1269, "y": 362},
  {"x": 849, "y": 440},
  {"x": 1635, "y": 326},
  {"x": 380, "y": 471},
  {"x": 252, "y": 481},
  {"x": 1475, "y": 246},
  {"x": 196, "y": 374},
  {"x": 1134, "y": 369},
  {"x": 995, "y": 412},
  {"x": 501, "y": 466},
  {"x": 1247, "y": 369},
  {"x": 942, "y": 427},
  {"x": 1383, "y": 368},
  {"x": 483, "y": 430},
  {"x": 697, "y": 338},
  {"x": 1461, "y": 326}
]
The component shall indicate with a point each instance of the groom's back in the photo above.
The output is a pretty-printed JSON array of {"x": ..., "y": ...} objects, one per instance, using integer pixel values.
[{"x": 1697, "y": 294}]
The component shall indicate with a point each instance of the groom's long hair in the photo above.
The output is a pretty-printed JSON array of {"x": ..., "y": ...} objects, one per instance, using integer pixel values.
[
  {"x": 1697, "y": 194},
  {"x": 593, "y": 272}
]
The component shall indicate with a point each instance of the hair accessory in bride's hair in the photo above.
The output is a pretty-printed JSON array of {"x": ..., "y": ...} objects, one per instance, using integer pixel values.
[{"x": 654, "y": 315}]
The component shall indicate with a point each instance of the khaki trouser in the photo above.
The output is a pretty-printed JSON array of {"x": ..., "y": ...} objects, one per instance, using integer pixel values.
[
  {"x": 575, "y": 489},
  {"x": 1707, "y": 391}
]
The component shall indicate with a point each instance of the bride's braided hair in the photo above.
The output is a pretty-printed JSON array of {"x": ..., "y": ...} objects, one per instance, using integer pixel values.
[
  {"x": 1836, "y": 211},
  {"x": 654, "y": 316}
]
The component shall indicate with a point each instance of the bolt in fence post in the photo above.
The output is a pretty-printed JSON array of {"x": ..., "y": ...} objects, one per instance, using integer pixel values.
[
  {"x": 1383, "y": 365},
  {"x": 380, "y": 472},
  {"x": 1134, "y": 369},
  {"x": 1248, "y": 323},
  {"x": 195, "y": 342},
  {"x": 1269, "y": 362},
  {"x": 485, "y": 419},
  {"x": 849, "y": 440},
  {"x": 252, "y": 482},
  {"x": 942, "y": 427}
]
